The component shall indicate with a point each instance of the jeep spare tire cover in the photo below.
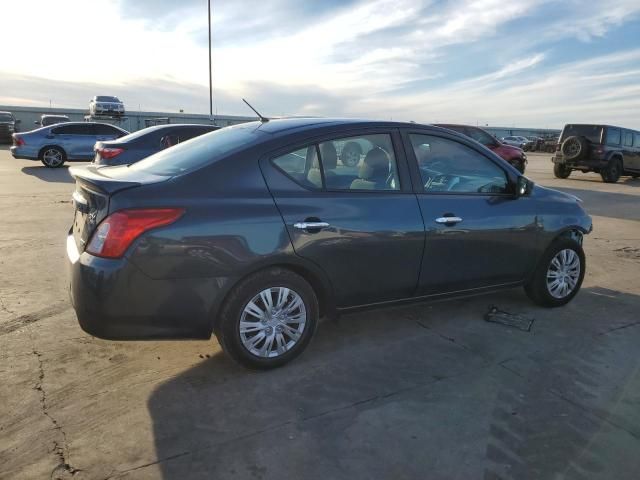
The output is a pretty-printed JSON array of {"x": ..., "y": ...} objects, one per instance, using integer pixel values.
[{"x": 574, "y": 147}]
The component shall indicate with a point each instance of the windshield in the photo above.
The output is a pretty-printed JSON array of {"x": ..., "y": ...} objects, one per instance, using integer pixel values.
[
  {"x": 593, "y": 133},
  {"x": 6, "y": 117},
  {"x": 200, "y": 151},
  {"x": 108, "y": 99},
  {"x": 482, "y": 137}
]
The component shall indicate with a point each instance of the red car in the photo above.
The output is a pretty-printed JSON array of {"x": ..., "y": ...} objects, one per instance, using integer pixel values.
[{"x": 514, "y": 155}]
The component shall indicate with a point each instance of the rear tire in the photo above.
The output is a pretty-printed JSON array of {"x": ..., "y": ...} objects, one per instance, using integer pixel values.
[
  {"x": 561, "y": 171},
  {"x": 611, "y": 173},
  {"x": 247, "y": 307},
  {"x": 53, "y": 157},
  {"x": 540, "y": 287}
]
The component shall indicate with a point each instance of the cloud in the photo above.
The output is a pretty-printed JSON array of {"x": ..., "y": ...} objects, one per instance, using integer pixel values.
[{"x": 456, "y": 60}]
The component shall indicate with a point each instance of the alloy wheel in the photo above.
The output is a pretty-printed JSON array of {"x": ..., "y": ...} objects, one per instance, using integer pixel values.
[
  {"x": 272, "y": 322},
  {"x": 52, "y": 157},
  {"x": 563, "y": 273}
]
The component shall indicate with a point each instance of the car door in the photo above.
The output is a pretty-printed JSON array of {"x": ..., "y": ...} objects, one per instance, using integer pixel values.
[
  {"x": 65, "y": 136},
  {"x": 361, "y": 224},
  {"x": 478, "y": 234}
]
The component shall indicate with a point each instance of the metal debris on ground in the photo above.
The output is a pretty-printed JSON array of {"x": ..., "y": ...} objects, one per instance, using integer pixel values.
[{"x": 515, "y": 320}]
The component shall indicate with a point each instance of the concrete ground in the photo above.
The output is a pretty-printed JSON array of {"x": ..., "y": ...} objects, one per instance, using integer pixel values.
[{"x": 418, "y": 392}]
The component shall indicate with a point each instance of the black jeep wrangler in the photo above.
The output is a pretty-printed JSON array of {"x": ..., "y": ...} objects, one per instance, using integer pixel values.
[{"x": 609, "y": 151}]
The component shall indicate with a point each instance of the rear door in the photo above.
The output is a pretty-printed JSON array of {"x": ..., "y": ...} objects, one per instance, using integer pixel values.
[
  {"x": 361, "y": 224},
  {"x": 477, "y": 233}
]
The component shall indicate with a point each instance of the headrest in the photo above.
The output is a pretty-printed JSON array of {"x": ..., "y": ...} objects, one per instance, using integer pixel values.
[
  {"x": 329, "y": 155},
  {"x": 375, "y": 165}
]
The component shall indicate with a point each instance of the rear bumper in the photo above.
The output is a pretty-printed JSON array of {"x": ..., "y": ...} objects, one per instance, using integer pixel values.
[
  {"x": 20, "y": 153},
  {"x": 115, "y": 300}
]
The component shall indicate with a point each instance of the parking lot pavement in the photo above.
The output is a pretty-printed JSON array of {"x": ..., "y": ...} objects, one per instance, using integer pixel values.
[{"x": 423, "y": 391}]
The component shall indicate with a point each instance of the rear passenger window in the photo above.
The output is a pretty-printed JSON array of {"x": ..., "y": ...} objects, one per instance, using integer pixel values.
[
  {"x": 365, "y": 162},
  {"x": 613, "y": 136},
  {"x": 636, "y": 139},
  {"x": 449, "y": 166},
  {"x": 628, "y": 139},
  {"x": 302, "y": 166}
]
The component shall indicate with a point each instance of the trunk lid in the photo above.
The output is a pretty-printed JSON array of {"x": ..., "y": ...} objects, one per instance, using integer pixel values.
[{"x": 94, "y": 188}]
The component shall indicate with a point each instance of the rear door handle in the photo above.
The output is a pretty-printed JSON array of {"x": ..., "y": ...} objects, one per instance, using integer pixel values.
[
  {"x": 310, "y": 225},
  {"x": 448, "y": 220}
]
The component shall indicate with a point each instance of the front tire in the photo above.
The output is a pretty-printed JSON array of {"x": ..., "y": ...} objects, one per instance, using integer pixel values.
[
  {"x": 268, "y": 319},
  {"x": 559, "y": 274},
  {"x": 561, "y": 171},
  {"x": 53, "y": 157}
]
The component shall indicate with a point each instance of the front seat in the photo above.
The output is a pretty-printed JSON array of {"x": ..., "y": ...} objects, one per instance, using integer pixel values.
[
  {"x": 329, "y": 163},
  {"x": 374, "y": 171}
]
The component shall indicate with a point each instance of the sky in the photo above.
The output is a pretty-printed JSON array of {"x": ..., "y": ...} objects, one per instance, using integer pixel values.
[{"x": 523, "y": 63}]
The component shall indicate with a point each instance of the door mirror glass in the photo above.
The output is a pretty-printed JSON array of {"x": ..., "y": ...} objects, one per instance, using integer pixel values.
[{"x": 522, "y": 186}]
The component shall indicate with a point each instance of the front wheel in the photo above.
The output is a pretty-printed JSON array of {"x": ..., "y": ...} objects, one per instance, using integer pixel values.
[
  {"x": 561, "y": 171},
  {"x": 559, "y": 274},
  {"x": 268, "y": 319}
]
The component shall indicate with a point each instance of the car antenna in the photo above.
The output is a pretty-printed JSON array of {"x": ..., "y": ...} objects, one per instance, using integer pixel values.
[{"x": 262, "y": 119}]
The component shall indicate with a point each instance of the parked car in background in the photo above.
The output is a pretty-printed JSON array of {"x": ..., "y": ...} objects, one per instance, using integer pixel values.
[
  {"x": 537, "y": 143},
  {"x": 604, "y": 149},
  {"x": 515, "y": 141},
  {"x": 106, "y": 105},
  {"x": 138, "y": 145},
  {"x": 47, "y": 120},
  {"x": 58, "y": 143},
  {"x": 8, "y": 126},
  {"x": 515, "y": 156},
  {"x": 255, "y": 231}
]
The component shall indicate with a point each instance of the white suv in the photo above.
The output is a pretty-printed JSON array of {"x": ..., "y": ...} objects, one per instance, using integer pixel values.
[{"x": 106, "y": 106}]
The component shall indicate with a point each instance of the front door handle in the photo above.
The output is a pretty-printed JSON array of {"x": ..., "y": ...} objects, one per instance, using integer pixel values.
[
  {"x": 310, "y": 225},
  {"x": 448, "y": 220}
]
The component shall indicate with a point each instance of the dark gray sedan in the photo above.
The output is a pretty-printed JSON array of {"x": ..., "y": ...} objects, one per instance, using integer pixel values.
[
  {"x": 255, "y": 231},
  {"x": 145, "y": 142},
  {"x": 58, "y": 143}
]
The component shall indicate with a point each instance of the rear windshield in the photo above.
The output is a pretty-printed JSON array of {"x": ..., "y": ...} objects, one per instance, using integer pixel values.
[
  {"x": 200, "y": 151},
  {"x": 593, "y": 133}
]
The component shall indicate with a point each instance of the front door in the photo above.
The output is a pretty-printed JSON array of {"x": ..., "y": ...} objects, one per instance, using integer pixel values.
[
  {"x": 356, "y": 218},
  {"x": 478, "y": 234}
]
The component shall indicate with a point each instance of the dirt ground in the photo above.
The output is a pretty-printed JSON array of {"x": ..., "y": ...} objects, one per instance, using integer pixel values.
[{"x": 418, "y": 392}]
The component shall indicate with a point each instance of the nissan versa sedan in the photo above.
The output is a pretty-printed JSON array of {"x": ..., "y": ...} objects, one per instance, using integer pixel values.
[
  {"x": 255, "y": 231},
  {"x": 56, "y": 144}
]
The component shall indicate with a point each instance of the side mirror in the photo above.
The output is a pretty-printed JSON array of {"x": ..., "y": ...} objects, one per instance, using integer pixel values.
[
  {"x": 523, "y": 186},
  {"x": 18, "y": 121},
  {"x": 36, "y": 123}
]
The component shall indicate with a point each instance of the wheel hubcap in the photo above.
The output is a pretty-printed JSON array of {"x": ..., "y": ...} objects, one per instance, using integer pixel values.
[
  {"x": 573, "y": 148},
  {"x": 563, "y": 273},
  {"x": 272, "y": 322},
  {"x": 52, "y": 158}
]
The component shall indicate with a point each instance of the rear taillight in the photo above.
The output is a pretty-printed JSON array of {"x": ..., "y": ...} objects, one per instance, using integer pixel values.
[
  {"x": 108, "y": 152},
  {"x": 116, "y": 232},
  {"x": 557, "y": 147},
  {"x": 18, "y": 141}
]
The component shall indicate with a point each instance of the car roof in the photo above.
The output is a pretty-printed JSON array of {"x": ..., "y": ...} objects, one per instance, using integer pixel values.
[
  {"x": 2, "y": 111},
  {"x": 278, "y": 126},
  {"x": 52, "y": 115}
]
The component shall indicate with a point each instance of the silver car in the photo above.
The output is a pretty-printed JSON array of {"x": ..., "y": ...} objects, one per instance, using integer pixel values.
[
  {"x": 106, "y": 105},
  {"x": 56, "y": 144}
]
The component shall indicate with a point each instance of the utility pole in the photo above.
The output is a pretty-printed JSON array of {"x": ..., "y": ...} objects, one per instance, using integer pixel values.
[{"x": 210, "y": 72}]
